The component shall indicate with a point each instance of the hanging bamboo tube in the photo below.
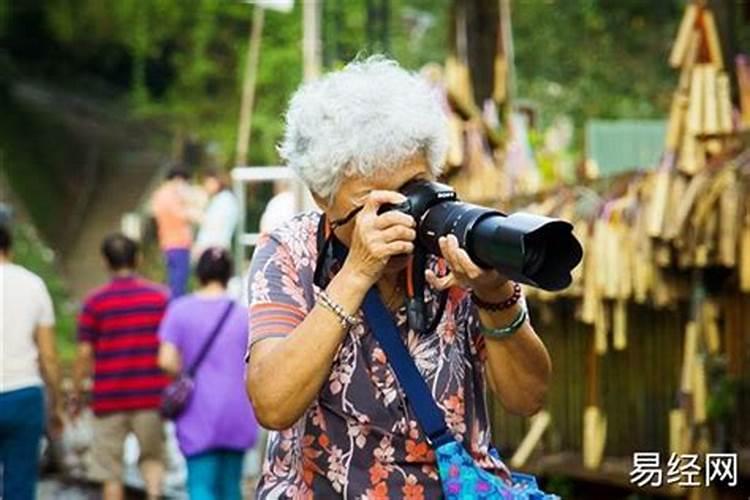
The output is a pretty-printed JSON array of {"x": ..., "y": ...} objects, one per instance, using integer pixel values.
[
  {"x": 695, "y": 107},
  {"x": 712, "y": 38},
  {"x": 699, "y": 390},
  {"x": 729, "y": 201},
  {"x": 601, "y": 325},
  {"x": 725, "y": 103},
  {"x": 676, "y": 196},
  {"x": 743, "y": 82},
  {"x": 689, "y": 61},
  {"x": 709, "y": 318},
  {"x": 678, "y": 432},
  {"x": 620, "y": 325},
  {"x": 745, "y": 251},
  {"x": 688, "y": 363},
  {"x": 680, "y": 47},
  {"x": 677, "y": 114},
  {"x": 658, "y": 202},
  {"x": 710, "y": 124}
]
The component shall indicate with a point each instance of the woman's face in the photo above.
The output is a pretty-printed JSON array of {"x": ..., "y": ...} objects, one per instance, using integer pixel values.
[{"x": 353, "y": 192}]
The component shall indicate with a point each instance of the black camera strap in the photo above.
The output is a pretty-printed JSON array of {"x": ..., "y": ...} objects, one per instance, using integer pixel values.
[{"x": 331, "y": 251}]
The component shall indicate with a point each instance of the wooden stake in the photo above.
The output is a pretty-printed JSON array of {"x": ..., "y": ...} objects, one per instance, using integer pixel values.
[
  {"x": 594, "y": 437},
  {"x": 539, "y": 424}
]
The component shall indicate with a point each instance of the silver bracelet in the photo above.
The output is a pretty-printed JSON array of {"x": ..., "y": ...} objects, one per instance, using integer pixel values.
[{"x": 347, "y": 320}]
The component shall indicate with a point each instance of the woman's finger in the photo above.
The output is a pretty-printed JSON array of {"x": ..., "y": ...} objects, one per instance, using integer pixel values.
[
  {"x": 448, "y": 250},
  {"x": 397, "y": 248},
  {"x": 377, "y": 198},
  {"x": 392, "y": 218},
  {"x": 472, "y": 270},
  {"x": 395, "y": 233},
  {"x": 440, "y": 283}
]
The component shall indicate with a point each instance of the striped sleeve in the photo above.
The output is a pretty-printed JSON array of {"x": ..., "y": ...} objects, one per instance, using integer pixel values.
[{"x": 276, "y": 295}]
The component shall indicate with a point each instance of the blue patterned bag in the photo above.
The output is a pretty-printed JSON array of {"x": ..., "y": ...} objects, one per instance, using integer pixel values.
[
  {"x": 461, "y": 477},
  {"x": 463, "y": 480}
]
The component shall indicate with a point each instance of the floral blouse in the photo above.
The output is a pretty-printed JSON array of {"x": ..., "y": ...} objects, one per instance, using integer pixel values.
[{"x": 359, "y": 439}]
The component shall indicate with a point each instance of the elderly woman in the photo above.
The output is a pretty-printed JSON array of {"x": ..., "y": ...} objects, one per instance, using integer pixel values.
[{"x": 316, "y": 373}]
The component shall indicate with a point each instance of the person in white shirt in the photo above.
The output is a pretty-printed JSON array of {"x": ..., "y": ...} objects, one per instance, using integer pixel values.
[
  {"x": 28, "y": 359},
  {"x": 221, "y": 216},
  {"x": 279, "y": 209}
]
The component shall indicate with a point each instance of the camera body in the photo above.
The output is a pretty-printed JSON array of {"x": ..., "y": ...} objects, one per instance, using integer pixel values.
[{"x": 532, "y": 249}]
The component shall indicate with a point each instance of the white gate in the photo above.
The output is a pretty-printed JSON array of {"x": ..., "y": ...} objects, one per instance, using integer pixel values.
[{"x": 244, "y": 176}]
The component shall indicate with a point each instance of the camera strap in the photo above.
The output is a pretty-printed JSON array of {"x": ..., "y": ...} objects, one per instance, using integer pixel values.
[{"x": 331, "y": 251}]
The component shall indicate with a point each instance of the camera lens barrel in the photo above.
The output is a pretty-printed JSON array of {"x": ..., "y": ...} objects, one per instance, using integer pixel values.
[{"x": 527, "y": 248}]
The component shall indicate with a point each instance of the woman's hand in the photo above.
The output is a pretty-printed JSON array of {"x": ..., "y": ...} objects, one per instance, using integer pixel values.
[
  {"x": 377, "y": 238},
  {"x": 488, "y": 284}
]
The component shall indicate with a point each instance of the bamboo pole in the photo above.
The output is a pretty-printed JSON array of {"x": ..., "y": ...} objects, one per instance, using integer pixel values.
[
  {"x": 311, "y": 46},
  {"x": 248, "y": 86}
]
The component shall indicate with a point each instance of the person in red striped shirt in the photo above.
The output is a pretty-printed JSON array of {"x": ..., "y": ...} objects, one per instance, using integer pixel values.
[{"x": 117, "y": 336}]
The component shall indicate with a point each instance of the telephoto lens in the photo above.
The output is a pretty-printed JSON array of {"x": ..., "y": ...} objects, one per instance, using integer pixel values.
[{"x": 532, "y": 249}]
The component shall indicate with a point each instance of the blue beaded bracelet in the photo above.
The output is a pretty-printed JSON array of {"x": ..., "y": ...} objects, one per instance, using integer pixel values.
[{"x": 506, "y": 331}]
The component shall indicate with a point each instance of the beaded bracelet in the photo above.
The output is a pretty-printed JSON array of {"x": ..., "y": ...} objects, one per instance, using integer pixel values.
[
  {"x": 506, "y": 331},
  {"x": 499, "y": 306},
  {"x": 347, "y": 320}
]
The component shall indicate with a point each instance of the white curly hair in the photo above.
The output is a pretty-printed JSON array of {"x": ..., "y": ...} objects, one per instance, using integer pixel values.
[{"x": 368, "y": 117}]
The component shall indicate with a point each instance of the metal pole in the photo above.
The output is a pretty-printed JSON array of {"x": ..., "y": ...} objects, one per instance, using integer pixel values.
[{"x": 239, "y": 248}]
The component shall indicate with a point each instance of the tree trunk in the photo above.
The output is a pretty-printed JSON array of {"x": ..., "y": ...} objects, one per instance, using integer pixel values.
[{"x": 475, "y": 30}]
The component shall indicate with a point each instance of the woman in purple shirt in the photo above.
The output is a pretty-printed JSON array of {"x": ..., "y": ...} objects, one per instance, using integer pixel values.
[{"x": 218, "y": 425}]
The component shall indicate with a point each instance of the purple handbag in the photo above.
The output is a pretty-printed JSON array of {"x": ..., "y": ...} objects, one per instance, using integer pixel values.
[{"x": 176, "y": 396}]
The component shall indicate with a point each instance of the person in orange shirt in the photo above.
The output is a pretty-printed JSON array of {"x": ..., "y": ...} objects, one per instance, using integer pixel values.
[{"x": 171, "y": 208}]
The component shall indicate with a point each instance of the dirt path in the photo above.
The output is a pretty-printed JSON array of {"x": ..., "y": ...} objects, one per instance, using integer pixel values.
[{"x": 118, "y": 192}]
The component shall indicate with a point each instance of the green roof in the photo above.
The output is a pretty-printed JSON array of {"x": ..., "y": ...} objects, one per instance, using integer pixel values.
[{"x": 621, "y": 145}]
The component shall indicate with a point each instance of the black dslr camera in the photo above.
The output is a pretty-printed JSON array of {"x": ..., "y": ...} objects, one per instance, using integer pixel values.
[{"x": 531, "y": 249}]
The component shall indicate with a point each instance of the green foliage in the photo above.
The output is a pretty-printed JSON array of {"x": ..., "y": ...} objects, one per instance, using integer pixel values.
[
  {"x": 182, "y": 61},
  {"x": 30, "y": 252},
  {"x": 596, "y": 58},
  {"x": 722, "y": 401}
]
